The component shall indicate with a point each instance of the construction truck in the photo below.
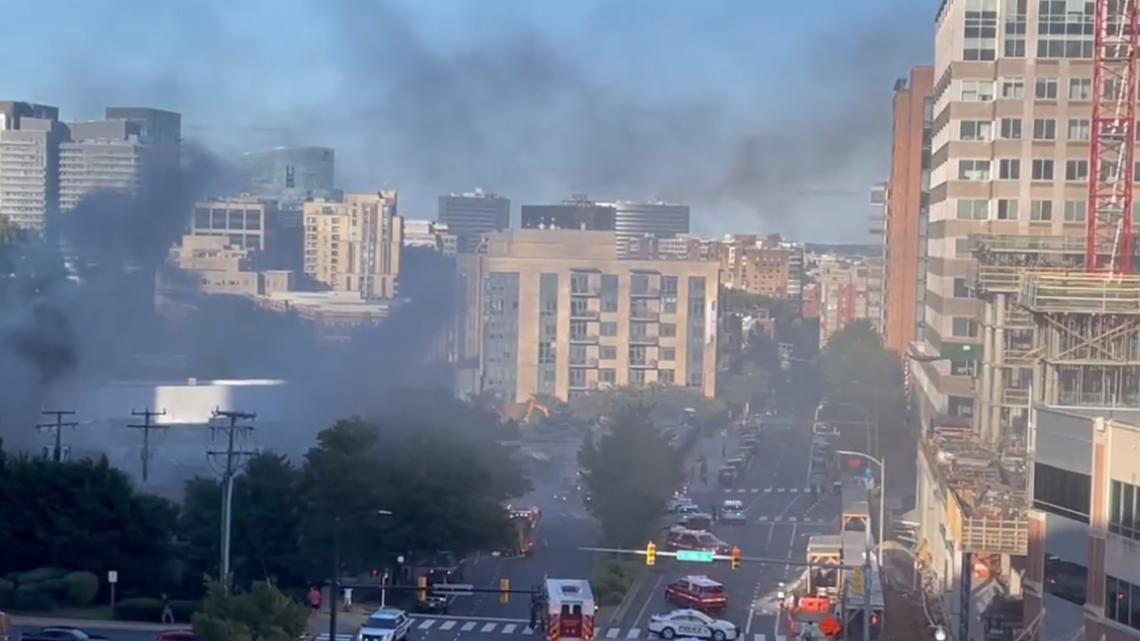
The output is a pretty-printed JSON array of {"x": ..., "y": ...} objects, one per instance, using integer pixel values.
[{"x": 524, "y": 523}]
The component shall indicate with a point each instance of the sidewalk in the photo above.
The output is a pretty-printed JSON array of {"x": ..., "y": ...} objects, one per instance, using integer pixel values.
[{"x": 345, "y": 621}]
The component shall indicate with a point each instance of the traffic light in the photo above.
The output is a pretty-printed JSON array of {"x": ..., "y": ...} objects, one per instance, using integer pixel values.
[
  {"x": 651, "y": 553},
  {"x": 504, "y": 591},
  {"x": 421, "y": 593},
  {"x": 375, "y": 573},
  {"x": 737, "y": 558}
]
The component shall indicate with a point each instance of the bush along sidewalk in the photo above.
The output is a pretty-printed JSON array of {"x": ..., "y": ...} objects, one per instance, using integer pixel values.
[
  {"x": 612, "y": 578},
  {"x": 45, "y": 589}
]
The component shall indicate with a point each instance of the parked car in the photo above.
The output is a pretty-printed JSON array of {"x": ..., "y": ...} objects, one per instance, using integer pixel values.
[
  {"x": 60, "y": 633},
  {"x": 698, "y": 592},
  {"x": 177, "y": 635},
  {"x": 433, "y": 605}
]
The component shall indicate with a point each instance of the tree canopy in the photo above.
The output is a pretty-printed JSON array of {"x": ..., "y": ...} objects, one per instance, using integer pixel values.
[
  {"x": 262, "y": 614},
  {"x": 631, "y": 471}
]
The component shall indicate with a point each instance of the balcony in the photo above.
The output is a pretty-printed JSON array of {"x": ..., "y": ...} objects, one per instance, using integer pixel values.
[
  {"x": 584, "y": 364},
  {"x": 583, "y": 340},
  {"x": 651, "y": 292},
  {"x": 585, "y": 314},
  {"x": 589, "y": 292},
  {"x": 646, "y": 364},
  {"x": 582, "y": 385},
  {"x": 643, "y": 340},
  {"x": 645, "y": 315},
  {"x": 1015, "y": 397}
]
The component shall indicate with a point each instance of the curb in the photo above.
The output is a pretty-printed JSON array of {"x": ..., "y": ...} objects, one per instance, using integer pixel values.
[
  {"x": 94, "y": 624},
  {"x": 627, "y": 600}
]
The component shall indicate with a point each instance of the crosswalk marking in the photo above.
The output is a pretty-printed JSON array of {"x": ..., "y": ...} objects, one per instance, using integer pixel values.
[
  {"x": 467, "y": 627},
  {"x": 613, "y": 633},
  {"x": 794, "y": 489},
  {"x": 755, "y": 490},
  {"x": 447, "y": 625},
  {"x": 792, "y": 519},
  {"x": 487, "y": 627},
  {"x": 519, "y": 627},
  {"x": 763, "y": 518},
  {"x": 633, "y": 633},
  {"x": 427, "y": 623},
  {"x": 528, "y": 630},
  {"x": 509, "y": 628}
]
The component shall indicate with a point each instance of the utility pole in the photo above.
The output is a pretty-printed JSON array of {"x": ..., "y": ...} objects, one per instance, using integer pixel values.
[
  {"x": 58, "y": 425},
  {"x": 231, "y": 459},
  {"x": 146, "y": 427}
]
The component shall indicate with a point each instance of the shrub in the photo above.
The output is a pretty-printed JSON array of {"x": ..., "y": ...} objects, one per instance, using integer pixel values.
[
  {"x": 29, "y": 599},
  {"x": 138, "y": 610},
  {"x": 39, "y": 574},
  {"x": 81, "y": 588},
  {"x": 55, "y": 588},
  {"x": 6, "y": 589},
  {"x": 184, "y": 609}
]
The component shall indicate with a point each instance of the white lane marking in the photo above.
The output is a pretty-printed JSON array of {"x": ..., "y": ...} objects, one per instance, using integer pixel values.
[
  {"x": 528, "y": 630},
  {"x": 427, "y": 623},
  {"x": 792, "y": 519},
  {"x": 633, "y": 633},
  {"x": 755, "y": 490},
  {"x": 487, "y": 627},
  {"x": 758, "y": 637},
  {"x": 612, "y": 633},
  {"x": 447, "y": 625},
  {"x": 469, "y": 626},
  {"x": 794, "y": 489},
  {"x": 508, "y": 628},
  {"x": 767, "y": 490},
  {"x": 763, "y": 519},
  {"x": 780, "y": 490},
  {"x": 807, "y": 489}
]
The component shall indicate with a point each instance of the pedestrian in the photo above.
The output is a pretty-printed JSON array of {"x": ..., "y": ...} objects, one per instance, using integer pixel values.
[
  {"x": 314, "y": 600},
  {"x": 167, "y": 610},
  {"x": 724, "y": 449},
  {"x": 347, "y": 599}
]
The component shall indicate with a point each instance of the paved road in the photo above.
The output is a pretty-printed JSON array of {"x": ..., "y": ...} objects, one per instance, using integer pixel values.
[
  {"x": 110, "y": 629},
  {"x": 782, "y": 514}
]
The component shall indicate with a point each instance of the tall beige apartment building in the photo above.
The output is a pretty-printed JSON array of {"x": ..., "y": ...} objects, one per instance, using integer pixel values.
[
  {"x": 353, "y": 244},
  {"x": 1010, "y": 159},
  {"x": 559, "y": 313}
]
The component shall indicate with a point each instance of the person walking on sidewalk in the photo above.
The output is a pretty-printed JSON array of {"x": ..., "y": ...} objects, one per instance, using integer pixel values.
[
  {"x": 314, "y": 600},
  {"x": 167, "y": 610}
]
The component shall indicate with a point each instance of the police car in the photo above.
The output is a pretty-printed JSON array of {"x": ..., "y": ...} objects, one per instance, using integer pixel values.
[
  {"x": 692, "y": 624},
  {"x": 732, "y": 511},
  {"x": 385, "y": 624}
]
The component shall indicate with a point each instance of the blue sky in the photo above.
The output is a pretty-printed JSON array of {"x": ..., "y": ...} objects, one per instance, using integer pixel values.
[{"x": 764, "y": 115}]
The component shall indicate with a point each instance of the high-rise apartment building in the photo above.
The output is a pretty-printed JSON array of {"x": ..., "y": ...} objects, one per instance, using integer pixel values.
[
  {"x": 353, "y": 244},
  {"x": 905, "y": 207},
  {"x": 634, "y": 220},
  {"x": 30, "y": 135},
  {"x": 579, "y": 213},
  {"x": 845, "y": 294},
  {"x": 559, "y": 312},
  {"x": 291, "y": 175},
  {"x": 429, "y": 234},
  {"x": 631, "y": 222},
  {"x": 471, "y": 215},
  {"x": 759, "y": 265}
]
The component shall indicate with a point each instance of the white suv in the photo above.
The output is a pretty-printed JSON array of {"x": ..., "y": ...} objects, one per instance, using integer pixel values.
[{"x": 385, "y": 624}]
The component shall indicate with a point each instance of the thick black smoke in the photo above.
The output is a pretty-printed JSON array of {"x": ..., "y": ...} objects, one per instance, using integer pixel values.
[{"x": 78, "y": 308}]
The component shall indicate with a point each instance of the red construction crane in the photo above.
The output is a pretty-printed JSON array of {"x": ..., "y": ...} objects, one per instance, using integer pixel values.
[{"x": 1108, "y": 247}]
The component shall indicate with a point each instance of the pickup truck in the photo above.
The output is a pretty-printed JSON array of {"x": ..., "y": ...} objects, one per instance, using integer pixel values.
[{"x": 61, "y": 633}]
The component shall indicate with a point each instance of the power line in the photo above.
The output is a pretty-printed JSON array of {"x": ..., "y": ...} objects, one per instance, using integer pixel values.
[
  {"x": 232, "y": 458},
  {"x": 58, "y": 425},
  {"x": 146, "y": 427}
]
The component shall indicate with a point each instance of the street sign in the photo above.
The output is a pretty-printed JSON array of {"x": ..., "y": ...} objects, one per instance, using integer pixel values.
[
  {"x": 830, "y": 626},
  {"x": 453, "y": 589},
  {"x": 700, "y": 556},
  {"x": 112, "y": 577}
]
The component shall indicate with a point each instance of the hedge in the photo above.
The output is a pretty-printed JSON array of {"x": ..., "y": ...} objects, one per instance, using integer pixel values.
[
  {"x": 29, "y": 599},
  {"x": 81, "y": 588}
]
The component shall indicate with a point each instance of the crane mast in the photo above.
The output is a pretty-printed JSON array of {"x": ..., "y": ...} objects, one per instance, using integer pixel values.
[{"x": 1108, "y": 246}]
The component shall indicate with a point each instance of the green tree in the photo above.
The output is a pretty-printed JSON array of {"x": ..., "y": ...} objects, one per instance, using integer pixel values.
[
  {"x": 667, "y": 404},
  {"x": 262, "y": 614},
  {"x": 266, "y": 512},
  {"x": 85, "y": 515},
  {"x": 631, "y": 471}
]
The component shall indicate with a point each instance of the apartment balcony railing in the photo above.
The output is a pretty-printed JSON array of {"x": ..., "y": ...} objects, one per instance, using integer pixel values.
[
  {"x": 643, "y": 340},
  {"x": 592, "y": 291},
  {"x": 585, "y": 314},
  {"x": 646, "y": 364},
  {"x": 652, "y": 292},
  {"x": 584, "y": 340}
]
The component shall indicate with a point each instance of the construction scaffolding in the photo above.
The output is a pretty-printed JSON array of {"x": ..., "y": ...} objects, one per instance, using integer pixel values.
[
  {"x": 1088, "y": 329},
  {"x": 986, "y": 503},
  {"x": 1010, "y": 349}
]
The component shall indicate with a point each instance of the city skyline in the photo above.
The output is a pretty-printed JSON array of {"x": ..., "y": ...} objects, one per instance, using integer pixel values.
[{"x": 686, "y": 136}]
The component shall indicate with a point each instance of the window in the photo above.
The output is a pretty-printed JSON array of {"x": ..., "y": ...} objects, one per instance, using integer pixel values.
[
  {"x": 1007, "y": 209},
  {"x": 1011, "y": 128},
  {"x": 609, "y": 328},
  {"x": 609, "y": 292},
  {"x": 963, "y": 327},
  {"x": 577, "y": 378},
  {"x": 961, "y": 289},
  {"x": 975, "y": 130},
  {"x": 637, "y": 377},
  {"x": 1064, "y": 29},
  {"x": 1042, "y": 169},
  {"x": 1013, "y": 88},
  {"x": 1041, "y": 211},
  {"x": 1079, "y": 129},
  {"x": 964, "y": 368},
  {"x": 973, "y": 209},
  {"x": 639, "y": 284},
  {"x": 1123, "y": 517},
  {"x": 637, "y": 355},
  {"x": 668, "y": 330},
  {"x": 1008, "y": 169},
  {"x": 1075, "y": 211},
  {"x": 977, "y": 90},
  {"x": 1044, "y": 129},
  {"x": 668, "y": 285},
  {"x": 579, "y": 329},
  {"x": 980, "y": 33},
  {"x": 669, "y": 305},
  {"x": 607, "y": 375},
  {"x": 973, "y": 170},
  {"x": 1065, "y": 579},
  {"x": 667, "y": 353},
  {"x": 577, "y": 354},
  {"x": 1046, "y": 89},
  {"x": 579, "y": 283},
  {"x": 546, "y": 353},
  {"x": 1122, "y": 601},
  {"x": 1014, "y": 27},
  {"x": 1076, "y": 170},
  {"x": 1136, "y": 171},
  {"x": 665, "y": 376},
  {"x": 961, "y": 406},
  {"x": 1061, "y": 492},
  {"x": 963, "y": 248},
  {"x": 1080, "y": 89},
  {"x": 607, "y": 352}
]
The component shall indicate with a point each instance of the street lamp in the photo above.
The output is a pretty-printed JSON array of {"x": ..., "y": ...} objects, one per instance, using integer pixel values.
[
  {"x": 334, "y": 582},
  {"x": 882, "y": 488},
  {"x": 939, "y": 634}
]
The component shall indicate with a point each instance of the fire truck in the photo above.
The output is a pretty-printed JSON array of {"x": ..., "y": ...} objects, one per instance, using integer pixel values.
[
  {"x": 569, "y": 610},
  {"x": 523, "y": 525}
]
